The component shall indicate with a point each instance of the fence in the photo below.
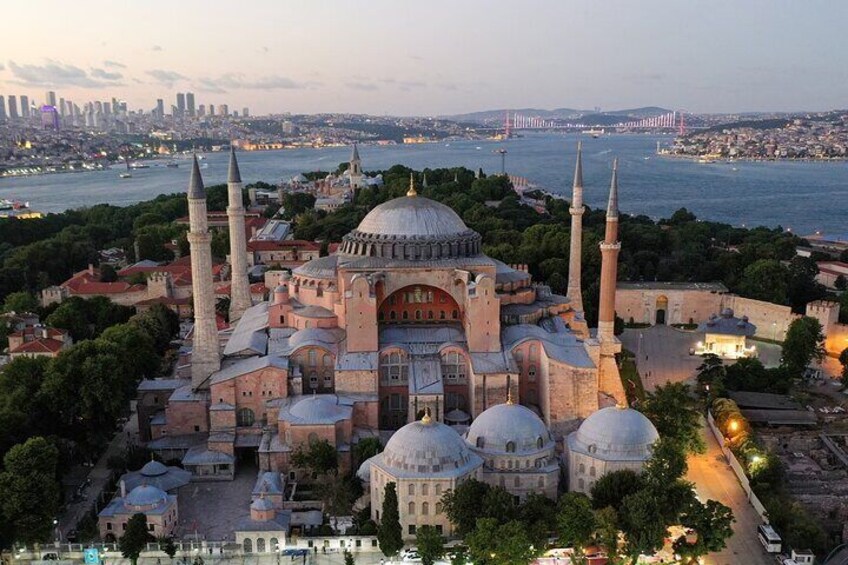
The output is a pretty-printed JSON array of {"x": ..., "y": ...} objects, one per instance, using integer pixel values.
[{"x": 737, "y": 470}]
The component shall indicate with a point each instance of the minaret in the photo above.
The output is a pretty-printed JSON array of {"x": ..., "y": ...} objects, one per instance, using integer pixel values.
[
  {"x": 355, "y": 168},
  {"x": 239, "y": 285},
  {"x": 609, "y": 263},
  {"x": 205, "y": 355},
  {"x": 576, "y": 250}
]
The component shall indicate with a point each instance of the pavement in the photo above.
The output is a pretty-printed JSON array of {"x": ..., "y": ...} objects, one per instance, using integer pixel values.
[
  {"x": 715, "y": 480},
  {"x": 212, "y": 509}
]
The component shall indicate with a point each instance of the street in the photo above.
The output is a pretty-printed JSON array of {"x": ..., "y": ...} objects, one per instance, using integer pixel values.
[{"x": 715, "y": 480}]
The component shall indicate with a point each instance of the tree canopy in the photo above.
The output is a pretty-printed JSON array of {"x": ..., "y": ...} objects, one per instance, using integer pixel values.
[
  {"x": 389, "y": 533},
  {"x": 676, "y": 413},
  {"x": 803, "y": 343}
]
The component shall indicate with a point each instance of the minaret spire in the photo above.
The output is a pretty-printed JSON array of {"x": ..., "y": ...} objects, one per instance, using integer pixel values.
[
  {"x": 205, "y": 354},
  {"x": 239, "y": 285},
  {"x": 575, "y": 292},
  {"x": 610, "y": 248},
  {"x": 355, "y": 168}
]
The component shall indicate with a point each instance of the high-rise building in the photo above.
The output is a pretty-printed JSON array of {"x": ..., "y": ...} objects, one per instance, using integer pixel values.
[
  {"x": 225, "y": 110},
  {"x": 211, "y": 109},
  {"x": 160, "y": 108},
  {"x": 13, "y": 107},
  {"x": 50, "y": 98},
  {"x": 181, "y": 104},
  {"x": 24, "y": 106},
  {"x": 107, "y": 107},
  {"x": 245, "y": 112},
  {"x": 49, "y": 117},
  {"x": 190, "y": 103},
  {"x": 201, "y": 110},
  {"x": 61, "y": 107},
  {"x": 2, "y": 109}
]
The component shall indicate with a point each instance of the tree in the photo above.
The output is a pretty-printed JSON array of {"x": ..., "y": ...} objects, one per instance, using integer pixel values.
[
  {"x": 167, "y": 545},
  {"x": 334, "y": 491},
  {"x": 666, "y": 465},
  {"x": 765, "y": 279},
  {"x": 538, "y": 514},
  {"x": 366, "y": 448},
  {"x": 575, "y": 520},
  {"x": 642, "y": 523},
  {"x": 29, "y": 490},
  {"x": 613, "y": 487},
  {"x": 711, "y": 524},
  {"x": 803, "y": 343},
  {"x": 389, "y": 534},
  {"x": 606, "y": 529},
  {"x": 491, "y": 543},
  {"x": 431, "y": 544},
  {"x": 841, "y": 283},
  {"x": 462, "y": 505},
  {"x": 676, "y": 414},
  {"x": 348, "y": 558},
  {"x": 711, "y": 373},
  {"x": 137, "y": 351},
  {"x": 108, "y": 273},
  {"x": 319, "y": 457},
  {"x": 843, "y": 360},
  {"x": 135, "y": 537},
  {"x": 20, "y": 302}
]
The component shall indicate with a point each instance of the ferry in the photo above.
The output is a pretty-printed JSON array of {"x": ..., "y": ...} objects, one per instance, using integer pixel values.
[
  {"x": 16, "y": 209},
  {"x": 596, "y": 133}
]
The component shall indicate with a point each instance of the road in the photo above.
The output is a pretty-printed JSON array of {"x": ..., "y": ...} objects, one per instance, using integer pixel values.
[{"x": 715, "y": 480}]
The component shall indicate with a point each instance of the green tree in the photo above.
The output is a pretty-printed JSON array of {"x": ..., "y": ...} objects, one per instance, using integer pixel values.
[
  {"x": 348, "y": 558},
  {"x": 108, "y": 273},
  {"x": 389, "y": 534},
  {"x": 137, "y": 351},
  {"x": 71, "y": 315},
  {"x": 336, "y": 495},
  {"x": 366, "y": 448},
  {"x": 21, "y": 301},
  {"x": 606, "y": 529},
  {"x": 167, "y": 545},
  {"x": 319, "y": 457},
  {"x": 666, "y": 465},
  {"x": 491, "y": 543},
  {"x": 642, "y": 523},
  {"x": 135, "y": 537},
  {"x": 462, "y": 505},
  {"x": 711, "y": 522},
  {"x": 613, "y": 487},
  {"x": 710, "y": 375},
  {"x": 431, "y": 544},
  {"x": 29, "y": 490},
  {"x": 803, "y": 343},
  {"x": 22, "y": 413},
  {"x": 676, "y": 414},
  {"x": 538, "y": 513},
  {"x": 575, "y": 520},
  {"x": 765, "y": 279}
]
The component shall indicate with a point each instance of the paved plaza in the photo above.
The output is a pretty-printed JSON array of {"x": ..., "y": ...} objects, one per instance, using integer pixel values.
[{"x": 213, "y": 508}]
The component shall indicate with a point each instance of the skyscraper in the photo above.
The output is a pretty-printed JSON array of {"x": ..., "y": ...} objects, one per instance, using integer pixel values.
[
  {"x": 49, "y": 117},
  {"x": 211, "y": 109},
  {"x": 245, "y": 112},
  {"x": 181, "y": 104},
  {"x": 201, "y": 110},
  {"x": 225, "y": 110},
  {"x": 13, "y": 107},
  {"x": 190, "y": 103},
  {"x": 24, "y": 106},
  {"x": 2, "y": 109},
  {"x": 50, "y": 98},
  {"x": 160, "y": 108},
  {"x": 61, "y": 107}
]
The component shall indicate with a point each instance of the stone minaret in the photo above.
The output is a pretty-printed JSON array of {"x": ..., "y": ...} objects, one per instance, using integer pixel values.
[
  {"x": 355, "y": 168},
  {"x": 609, "y": 263},
  {"x": 576, "y": 250},
  {"x": 205, "y": 355},
  {"x": 609, "y": 380},
  {"x": 240, "y": 287}
]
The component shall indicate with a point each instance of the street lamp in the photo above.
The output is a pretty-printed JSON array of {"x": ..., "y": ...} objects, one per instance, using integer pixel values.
[{"x": 734, "y": 426}]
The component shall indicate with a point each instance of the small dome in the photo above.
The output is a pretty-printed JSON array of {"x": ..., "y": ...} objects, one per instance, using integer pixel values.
[
  {"x": 154, "y": 469},
  {"x": 425, "y": 448},
  {"x": 261, "y": 504},
  {"x": 364, "y": 471},
  {"x": 615, "y": 434},
  {"x": 508, "y": 428},
  {"x": 145, "y": 496},
  {"x": 319, "y": 409},
  {"x": 412, "y": 217},
  {"x": 727, "y": 313}
]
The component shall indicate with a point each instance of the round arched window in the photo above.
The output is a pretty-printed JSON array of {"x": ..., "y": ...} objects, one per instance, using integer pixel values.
[
  {"x": 245, "y": 418},
  {"x": 510, "y": 447}
]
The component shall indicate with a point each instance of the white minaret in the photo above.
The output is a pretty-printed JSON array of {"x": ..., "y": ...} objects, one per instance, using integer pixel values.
[
  {"x": 239, "y": 285},
  {"x": 205, "y": 354},
  {"x": 355, "y": 169},
  {"x": 576, "y": 250}
]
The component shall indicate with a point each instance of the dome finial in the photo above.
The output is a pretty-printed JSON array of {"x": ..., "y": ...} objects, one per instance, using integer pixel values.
[
  {"x": 425, "y": 419},
  {"x": 411, "y": 192},
  {"x": 509, "y": 395}
]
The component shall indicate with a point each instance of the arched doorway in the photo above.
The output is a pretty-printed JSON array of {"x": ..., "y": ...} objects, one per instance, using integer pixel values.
[{"x": 662, "y": 309}]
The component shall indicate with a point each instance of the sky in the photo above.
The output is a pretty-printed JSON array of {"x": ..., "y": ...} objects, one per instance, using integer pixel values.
[{"x": 433, "y": 57}]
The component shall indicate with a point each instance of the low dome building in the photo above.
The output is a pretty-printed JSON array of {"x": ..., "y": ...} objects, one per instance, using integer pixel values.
[
  {"x": 159, "y": 507},
  {"x": 611, "y": 439},
  {"x": 517, "y": 450},
  {"x": 154, "y": 473},
  {"x": 726, "y": 335},
  {"x": 424, "y": 459}
]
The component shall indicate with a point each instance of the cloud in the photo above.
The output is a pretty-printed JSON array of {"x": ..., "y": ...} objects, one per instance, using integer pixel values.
[
  {"x": 236, "y": 81},
  {"x": 167, "y": 78},
  {"x": 114, "y": 64},
  {"x": 367, "y": 86},
  {"x": 447, "y": 86},
  {"x": 105, "y": 75},
  {"x": 156, "y": 48},
  {"x": 54, "y": 73}
]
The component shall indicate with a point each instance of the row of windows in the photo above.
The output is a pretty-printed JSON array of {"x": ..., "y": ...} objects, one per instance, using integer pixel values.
[
  {"x": 412, "y": 529},
  {"x": 510, "y": 445},
  {"x": 582, "y": 470},
  {"x": 516, "y": 482},
  {"x": 425, "y": 509},
  {"x": 273, "y": 545},
  {"x": 418, "y": 316},
  {"x": 425, "y": 489}
]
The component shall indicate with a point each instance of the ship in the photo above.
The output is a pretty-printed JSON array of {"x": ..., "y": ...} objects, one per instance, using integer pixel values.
[
  {"x": 16, "y": 209},
  {"x": 594, "y": 132}
]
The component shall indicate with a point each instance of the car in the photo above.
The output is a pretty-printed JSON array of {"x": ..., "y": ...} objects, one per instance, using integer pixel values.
[{"x": 410, "y": 555}]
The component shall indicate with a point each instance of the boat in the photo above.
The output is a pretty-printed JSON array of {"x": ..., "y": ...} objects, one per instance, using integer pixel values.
[
  {"x": 128, "y": 174},
  {"x": 17, "y": 209},
  {"x": 172, "y": 164},
  {"x": 596, "y": 133}
]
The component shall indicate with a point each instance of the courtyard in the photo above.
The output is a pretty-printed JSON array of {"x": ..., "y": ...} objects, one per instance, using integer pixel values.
[{"x": 210, "y": 510}]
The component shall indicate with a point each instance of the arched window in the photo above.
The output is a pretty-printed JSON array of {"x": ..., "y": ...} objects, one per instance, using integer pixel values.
[
  {"x": 531, "y": 373},
  {"x": 411, "y": 490},
  {"x": 418, "y": 314},
  {"x": 393, "y": 315},
  {"x": 429, "y": 314},
  {"x": 245, "y": 418},
  {"x": 248, "y": 545},
  {"x": 328, "y": 379},
  {"x": 592, "y": 471},
  {"x": 313, "y": 357},
  {"x": 510, "y": 447},
  {"x": 580, "y": 484},
  {"x": 425, "y": 508},
  {"x": 453, "y": 367},
  {"x": 425, "y": 489},
  {"x": 313, "y": 437},
  {"x": 260, "y": 545},
  {"x": 411, "y": 509},
  {"x": 438, "y": 489},
  {"x": 442, "y": 315},
  {"x": 481, "y": 442},
  {"x": 455, "y": 314},
  {"x": 540, "y": 443},
  {"x": 582, "y": 468},
  {"x": 274, "y": 545},
  {"x": 405, "y": 315}
]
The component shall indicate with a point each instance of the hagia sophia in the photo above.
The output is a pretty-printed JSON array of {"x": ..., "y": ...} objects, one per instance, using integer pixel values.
[{"x": 461, "y": 365}]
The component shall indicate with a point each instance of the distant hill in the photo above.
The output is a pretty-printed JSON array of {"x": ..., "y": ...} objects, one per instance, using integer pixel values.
[{"x": 609, "y": 116}]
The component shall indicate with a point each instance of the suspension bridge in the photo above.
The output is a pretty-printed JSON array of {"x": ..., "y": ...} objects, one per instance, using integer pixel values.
[{"x": 669, "y": 121}]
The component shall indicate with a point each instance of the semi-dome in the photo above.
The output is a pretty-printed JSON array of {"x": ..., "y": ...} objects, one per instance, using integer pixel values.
[
  {"x": 412, "y": 228},
  {"x": 153, "y": 469},
  {"x": 615, "y": 434},
  {"x": 145, "y": 497},
  {"x": 508, "y": 428},
  {"x": 427, "y": 448}
]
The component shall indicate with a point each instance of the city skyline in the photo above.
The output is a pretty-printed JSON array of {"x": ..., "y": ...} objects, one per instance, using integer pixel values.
[{"x": 379, "y": 58}]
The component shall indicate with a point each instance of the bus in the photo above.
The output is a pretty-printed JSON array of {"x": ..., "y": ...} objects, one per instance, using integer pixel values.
[{"x": 769, "y": 538}]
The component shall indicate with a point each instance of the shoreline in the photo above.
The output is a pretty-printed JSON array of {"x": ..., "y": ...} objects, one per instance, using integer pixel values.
[{"x": 730, "y": 160}]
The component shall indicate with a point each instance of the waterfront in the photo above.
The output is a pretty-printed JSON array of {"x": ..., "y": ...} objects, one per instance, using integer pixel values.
[{"x": 802, "y": 196}]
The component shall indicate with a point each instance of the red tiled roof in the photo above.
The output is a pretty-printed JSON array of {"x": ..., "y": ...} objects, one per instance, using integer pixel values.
[
  {"x": 39, "y": 346},
  {"x": 30, "y": 331}
]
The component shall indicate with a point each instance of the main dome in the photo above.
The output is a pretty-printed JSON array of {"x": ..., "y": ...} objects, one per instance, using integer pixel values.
[
  {"x": 615, "y": 434},
  {"x": 426, "y": 449},
  {"x": 412, "y": 228},
  {"x": 508, "y": 428}
]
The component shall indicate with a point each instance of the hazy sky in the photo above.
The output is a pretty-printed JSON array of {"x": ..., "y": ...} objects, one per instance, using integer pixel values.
[{"x": 432, "y": 56}]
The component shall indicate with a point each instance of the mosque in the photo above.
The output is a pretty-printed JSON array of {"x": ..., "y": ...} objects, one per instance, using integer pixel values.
[{"x": 465, "y": 365}]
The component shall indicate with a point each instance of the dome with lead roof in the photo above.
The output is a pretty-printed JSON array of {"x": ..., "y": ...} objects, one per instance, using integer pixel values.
[
  {"x": 427, "y": 448},
  {"x": 615, "y": 434},
  {"x": 153, "y": 469},
  {"x": 508, "y": 428},
  {"x": 145, "y": 497}
]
